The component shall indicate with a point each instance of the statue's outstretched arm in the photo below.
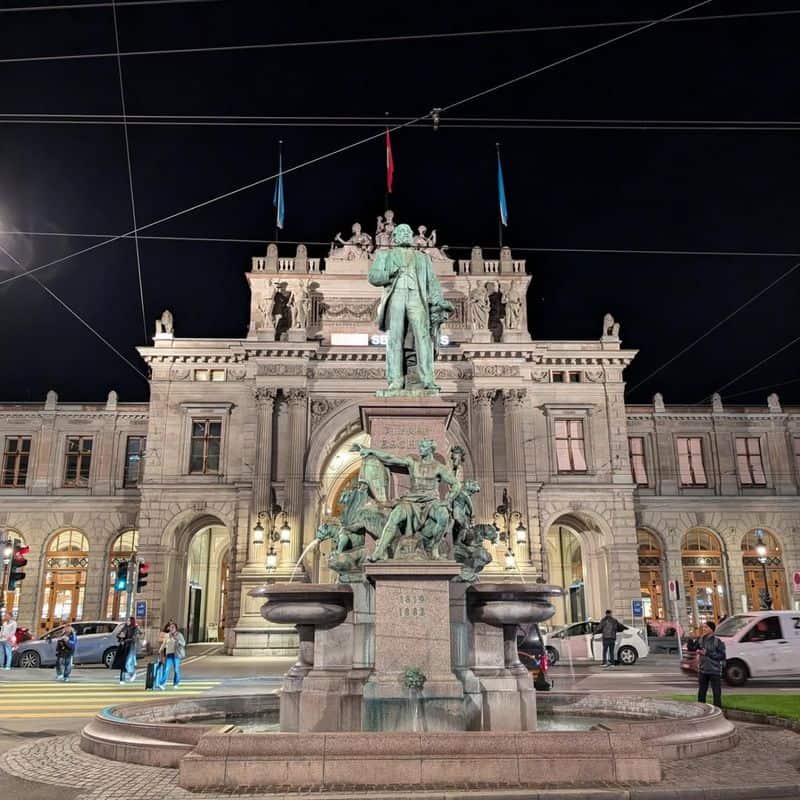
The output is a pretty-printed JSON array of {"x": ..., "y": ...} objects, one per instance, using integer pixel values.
[{"x": 385, "y": 458}]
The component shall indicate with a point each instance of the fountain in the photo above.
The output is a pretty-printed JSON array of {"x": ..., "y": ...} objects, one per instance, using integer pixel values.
[{"x": 407, "y": 673}]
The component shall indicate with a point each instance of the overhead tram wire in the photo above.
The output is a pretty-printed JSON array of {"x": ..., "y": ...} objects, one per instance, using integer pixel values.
[
  {"x": 78, "y": 6},
  {"x": 714, "y": 327},
  {"x": 332, "y": 153},
  {"x": 75, "y": 314},
  {"x": 761, "y": 388},
  {"x": 130, "y": 168},
  {"x": 408, "y": 37}
]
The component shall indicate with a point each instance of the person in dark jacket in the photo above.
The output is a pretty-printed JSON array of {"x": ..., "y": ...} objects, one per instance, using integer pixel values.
[
  {"x": 125, "y": 660},
  {"x": 608, "y": 629},
  {"x": 711, "y": 664},
  {"x": 65, "y": 652}
]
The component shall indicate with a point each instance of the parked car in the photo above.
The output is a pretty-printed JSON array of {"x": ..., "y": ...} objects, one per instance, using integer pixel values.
[
  {"x": 761, "y": 644},
  {"x": 97, "y": 644},
  {"x": 581, "y": 641}
]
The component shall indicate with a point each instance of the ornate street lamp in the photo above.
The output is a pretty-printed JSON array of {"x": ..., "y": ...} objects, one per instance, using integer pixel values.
[
  {"x": 508, "y": 517},
  {"x": 761, "y": 551},
  {"x": 277, "y": 523}
]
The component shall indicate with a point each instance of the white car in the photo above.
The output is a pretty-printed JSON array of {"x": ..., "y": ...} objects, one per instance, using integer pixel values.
[
  {"x": 580, "y": 642},
  {"x": 762, "y": 644}
]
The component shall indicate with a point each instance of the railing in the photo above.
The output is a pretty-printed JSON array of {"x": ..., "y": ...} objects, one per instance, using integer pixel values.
[
  {"x": 491, "y": 267},
  {"x": 284, "y": 265}
]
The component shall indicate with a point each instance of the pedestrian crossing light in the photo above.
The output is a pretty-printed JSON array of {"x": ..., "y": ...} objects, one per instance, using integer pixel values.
[
  {"x": 141, "y": 578},
  {"x": 18, "y": 561},
  {"x": 121, "y": 583}
]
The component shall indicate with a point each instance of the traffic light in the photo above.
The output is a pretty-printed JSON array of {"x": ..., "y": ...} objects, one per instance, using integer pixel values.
[
  {"x": 18, "y": 561},
  {"x": 141, "y": 578},
  {"x": 121, "y": 583}
]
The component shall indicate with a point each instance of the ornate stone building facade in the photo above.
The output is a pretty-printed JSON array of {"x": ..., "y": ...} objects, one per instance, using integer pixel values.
[{"x": 611, "y": 501}]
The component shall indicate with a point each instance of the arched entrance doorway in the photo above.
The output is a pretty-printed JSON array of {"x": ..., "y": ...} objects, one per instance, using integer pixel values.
[
  {"x": 651, "y": 575},
  {"x": 206, "y": 581},
  {"x": 66, "y": 566},
  {"x": 565, "y": 557},
  {"x": 122, "y": 549},
  {"x": 11, "y": 599},
  {"x": 754, "y": 571},
  {"x": 704, "y": 577}
]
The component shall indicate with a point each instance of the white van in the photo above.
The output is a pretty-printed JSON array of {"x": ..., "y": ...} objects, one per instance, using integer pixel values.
[{"x": 762, "y": 644}]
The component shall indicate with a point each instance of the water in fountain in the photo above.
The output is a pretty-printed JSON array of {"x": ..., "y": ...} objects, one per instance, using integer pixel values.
[{"x": 309, "y": 546}]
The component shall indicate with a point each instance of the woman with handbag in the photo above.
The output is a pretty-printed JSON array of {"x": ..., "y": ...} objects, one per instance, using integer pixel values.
[
  {"x": 174, "y": 651},
  {"x": 125, "y": 659}
]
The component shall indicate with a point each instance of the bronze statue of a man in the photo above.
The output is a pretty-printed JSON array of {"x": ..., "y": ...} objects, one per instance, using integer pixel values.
[{"x": 412, "y": 298}]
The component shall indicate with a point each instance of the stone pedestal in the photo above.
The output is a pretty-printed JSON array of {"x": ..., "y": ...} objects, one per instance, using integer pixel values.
[
  {"x": 412, "y": 629},
  {"x": 397, "y": 424}
]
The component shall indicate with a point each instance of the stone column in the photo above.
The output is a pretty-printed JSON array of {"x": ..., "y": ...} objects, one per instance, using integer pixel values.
[
  {"x": 482, "y": 452},
  {"x": 298, "y": 413},
  {"x": 513, "y": 403},
  {"x": 262, "y": 476}
]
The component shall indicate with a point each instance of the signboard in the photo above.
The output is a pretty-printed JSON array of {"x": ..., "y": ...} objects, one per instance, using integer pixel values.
[
  {"x": 637, "y": 607},
  {"x": 141, "y": 608},
  {"x": 796, "y": 582},
  {"x": 674, "y": 591},
  {"x": 375, "y": 339}
]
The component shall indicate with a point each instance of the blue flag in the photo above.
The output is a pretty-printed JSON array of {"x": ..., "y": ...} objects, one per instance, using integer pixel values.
[
  {"x": 277, "y": 195},
  {"x": 501, "y": 192}
]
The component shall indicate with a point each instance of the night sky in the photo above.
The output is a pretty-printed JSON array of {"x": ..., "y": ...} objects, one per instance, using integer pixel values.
[{"x": 656, "y": 189}]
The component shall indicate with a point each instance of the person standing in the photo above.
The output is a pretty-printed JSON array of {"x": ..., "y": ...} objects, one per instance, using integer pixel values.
[
  {"x": 8, "y": 637},
  {"x": 65, "y": 652},
  {"x": 609, "y": 627},
  {"x": 712, "y": 663},
  {"x": 174, "y": 650},
  {"x": 125, "y": 659}
]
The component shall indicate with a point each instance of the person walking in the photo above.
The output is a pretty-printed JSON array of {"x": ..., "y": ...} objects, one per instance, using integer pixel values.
[
  {"x": 65, "y": 652},
  {"x": 125, "y": 660},
  {"x": 8, "y": 638},
  {"x": 608, "y": 629},
  {"x": 174, "y": 650},
  {"x": 712, "y": 663}
]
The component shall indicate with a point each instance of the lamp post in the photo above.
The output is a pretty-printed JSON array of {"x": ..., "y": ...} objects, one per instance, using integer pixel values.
[
  {"x": 761, "y": 550},
  {"x": 277, "y": 523},
  {"x": 508, "y": 516}
]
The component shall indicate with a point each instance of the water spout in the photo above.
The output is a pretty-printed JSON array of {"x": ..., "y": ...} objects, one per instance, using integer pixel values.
[{"x": 309, "y": 546}]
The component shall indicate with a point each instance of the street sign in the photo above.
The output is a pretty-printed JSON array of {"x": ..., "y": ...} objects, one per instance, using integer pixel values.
[
  {"x": 637, "y": 607},
  {"x": 796, "y": 582},
  {"x": 674, "y": 591},
  {"x": 141, "y": 608}
]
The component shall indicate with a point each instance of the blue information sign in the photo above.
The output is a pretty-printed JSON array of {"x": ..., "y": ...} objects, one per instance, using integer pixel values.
[
  {"x": 141, "y": 608},
  {"x": 637, "y": 608}
]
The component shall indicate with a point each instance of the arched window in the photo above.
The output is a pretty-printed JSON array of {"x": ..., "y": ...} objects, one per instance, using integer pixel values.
[
  {"x": 703, "y": 576},
  {"x": 122, "y": 549},
  {"x": 651, "y": 575},
  {"x": 756, "y": 571},
  {"x": 11, "y": 599},
  {"x": 64, "y": 584}
]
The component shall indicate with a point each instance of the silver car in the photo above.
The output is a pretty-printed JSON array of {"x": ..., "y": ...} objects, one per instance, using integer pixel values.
[{"x": 97, "y": 644}]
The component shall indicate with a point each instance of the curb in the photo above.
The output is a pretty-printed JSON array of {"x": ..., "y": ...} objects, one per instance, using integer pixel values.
[{"x": 762, "y": 719}]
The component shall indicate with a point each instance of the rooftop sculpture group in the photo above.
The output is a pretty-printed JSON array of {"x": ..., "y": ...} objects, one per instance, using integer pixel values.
[{"x": 414, "y": 526}]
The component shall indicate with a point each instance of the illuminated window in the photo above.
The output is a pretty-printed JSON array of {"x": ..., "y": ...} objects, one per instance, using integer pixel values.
[
  {"x": 125, "y": 545},
  {"x": 690, "y": 461},
  {"x": 205, "y": 446},
  {"x": 15, "y": 460},
  {"x": 570, "y": 450},
  {"x": 638, "y": 465},
  {"x": 749, "y": 463},
  {"x": 78, "y": 461},
  {"x": 209, "y": 374}
]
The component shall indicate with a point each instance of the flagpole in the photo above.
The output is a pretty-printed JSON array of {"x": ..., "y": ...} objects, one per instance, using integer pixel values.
[
  {"x": 499, "y": 210},
  {"x": 386, "y": 193},
  {"x": 280, "y": 178}
]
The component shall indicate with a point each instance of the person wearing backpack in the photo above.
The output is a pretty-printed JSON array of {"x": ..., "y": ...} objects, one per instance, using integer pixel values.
[
  {"x": 65, "y": 652},
  {"x": 608, "y": 628},
  {"x": 712, "y": 663},
  {"x": 174, "y": 649}
]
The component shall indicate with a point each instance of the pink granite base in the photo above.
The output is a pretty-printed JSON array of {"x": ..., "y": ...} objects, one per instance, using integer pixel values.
[{"x": 342, "y": 761}]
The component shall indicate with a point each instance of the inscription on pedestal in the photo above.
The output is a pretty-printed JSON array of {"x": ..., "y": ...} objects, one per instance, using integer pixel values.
[
  {"x": 411, "y": 605},
  {"x": 403, "y": 436}
]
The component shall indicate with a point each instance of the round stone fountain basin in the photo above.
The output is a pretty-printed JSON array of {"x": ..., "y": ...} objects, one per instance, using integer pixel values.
[
  {"x": 305, "y": 603},
  {"x": 511, "y": 603}
]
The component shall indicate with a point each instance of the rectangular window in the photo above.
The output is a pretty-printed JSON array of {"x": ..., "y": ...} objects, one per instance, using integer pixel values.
[
  {"x": 575, "y": 377},
  {"x": 16, "y": 455},
  {"x": 570, "y": 450},
  {"x": 558, "y": 377},
  {"x": 690, "y": 461},
  {"x": 796, "y": 442},
  {"x": 748, "y": 461},
  {"x": 205, "y": 446},
  {"x": 638, "y": 465},
  {"x": 78, "y": 461},
  {"x": 134, "y": 450},
  {"x": 209, "y": 374},
  {"x": 202, "y": 375}
]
